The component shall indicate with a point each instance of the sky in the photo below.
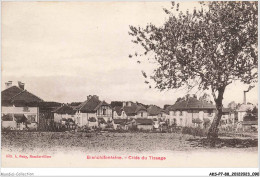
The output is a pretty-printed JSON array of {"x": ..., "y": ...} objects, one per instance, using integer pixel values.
[{"x": 65, "y": 51}]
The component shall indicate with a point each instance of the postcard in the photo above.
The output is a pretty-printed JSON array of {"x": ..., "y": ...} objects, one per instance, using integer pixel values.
[{"x": 129, "y": 84}]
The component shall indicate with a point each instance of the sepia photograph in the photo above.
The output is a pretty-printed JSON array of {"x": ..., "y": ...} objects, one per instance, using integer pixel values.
[{"x": 129, "y": 84}]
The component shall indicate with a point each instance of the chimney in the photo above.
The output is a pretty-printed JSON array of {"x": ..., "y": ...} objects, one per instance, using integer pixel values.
[
  {"x": 96, "y": 97},
  {"x": 92, "y": 96},
  {"x": 89, "y": 97},
  {"x": 8, "y": 84},
  {"x": 245, "y": 97},
  {"x": 21, "y": 85},
  {"x": 249, "y": 88}
]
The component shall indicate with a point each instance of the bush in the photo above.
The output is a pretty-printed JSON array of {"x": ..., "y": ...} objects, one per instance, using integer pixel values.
[
  {"x": 194, "y": 131},
  {"x": 133, "y": 129},
  {"x": 6, "y": 129}
]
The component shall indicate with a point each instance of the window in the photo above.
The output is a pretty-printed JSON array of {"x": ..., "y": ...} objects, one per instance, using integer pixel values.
[
  {"x": 174, "y": 113},
  {"x": 26, "y": 109},
  {"x": 210, "y": 112},
  {"x": 104, "y": 111},
  {"x": 142, "y": 114},
  {"x": 32, "y": 118},
  {"x": 174, "y": 122},
  {"x": 180, "y": 113}
]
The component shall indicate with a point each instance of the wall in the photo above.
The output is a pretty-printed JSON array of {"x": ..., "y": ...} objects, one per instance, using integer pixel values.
[
  {"x": 10, "y": 124},
  {"x": 139, "y": 114},
  {"x": 108, "y": 113},
  {"x": 145, "y": 127},
  {"x": 164, "y": 116},
  {"x": 180, "y": 118},
  {"x": 115, "y": 115},
  {"x": 27, "y": 111},
  {"x": 82, "y": 119},
  {"x": 123, "y": 115},
  {"x": 152, "y": 117},
  {"x": 241, "y": 116},
  {"x": 58, "y": 117},
  {"x": 185, "y": 119},
  {"x": 92, "y": 124}
]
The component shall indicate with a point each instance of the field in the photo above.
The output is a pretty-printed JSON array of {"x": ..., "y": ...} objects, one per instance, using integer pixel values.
[
  {"x": 70, "y": 149},
  {"x": 108, "y": 141}
]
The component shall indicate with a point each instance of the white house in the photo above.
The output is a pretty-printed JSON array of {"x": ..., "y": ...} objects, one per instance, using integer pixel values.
[
  {"x": 130, "y": 110},
  {"x": 155, "y": 112},
  {"x": 191, "y": 113},
  {"x": 64, "y": 113},
  {"x": 242, "y": 110},
  {"x": 88, "y": 112},
  {"x": 144, "y": 124},
  {"x": 120, "y": 124},
  {"x": 19, "y": 108}
]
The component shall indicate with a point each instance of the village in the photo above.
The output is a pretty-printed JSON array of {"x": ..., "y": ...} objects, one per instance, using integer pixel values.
[{"x": 22, "y": 110}]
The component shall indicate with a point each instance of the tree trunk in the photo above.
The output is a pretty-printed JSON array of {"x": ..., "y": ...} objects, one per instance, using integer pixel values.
[{"x": 213, "y": 130}]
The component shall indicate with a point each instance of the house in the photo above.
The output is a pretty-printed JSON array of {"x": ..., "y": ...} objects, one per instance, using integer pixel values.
[
  {"x": 120, "y": 124},
  {"x": 88, "y": 112},
  {"x": 144, "y": 124},
  {"x": 242, "y": 110},
  {"x": 249, "y": 123},
  {"x": 129, "y": 110},
  {"x": 64, "y": 113},
  {"x": 104, "y": 111},
  {"x": 228, "y": 118},
  {"x": 191, "y": 112},
  {"x": 154, "y": 111},
  {"x": 117, "y": 112},
  {"x": 158, "y": 115},
  {"x": 20, "y": 108}
]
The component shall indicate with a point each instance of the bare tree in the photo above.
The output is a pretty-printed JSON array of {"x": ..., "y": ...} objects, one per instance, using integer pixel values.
[{"x": 208, "y": 48}]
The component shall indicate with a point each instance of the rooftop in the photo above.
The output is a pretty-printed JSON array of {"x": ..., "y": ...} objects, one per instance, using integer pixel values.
[{"x": 191, "y": 103}]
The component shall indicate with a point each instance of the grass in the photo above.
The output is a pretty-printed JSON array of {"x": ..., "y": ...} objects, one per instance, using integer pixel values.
[{"x": 105, "y": 141}]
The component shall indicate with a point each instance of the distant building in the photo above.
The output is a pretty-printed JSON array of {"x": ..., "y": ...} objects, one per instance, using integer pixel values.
[
  {"x": 144, "y": 124},
  {"x": 191, "y": 112},
  {"x": 158, "y": 115},
  {"x": 228, "y": 118},
  {"x": 88, "y": 112},
  {"x": 129, "y": 110},
  {"x": 247, "y": 118},
  {"x": 20, "y": 108},
  {"x": 249, "y": 123},
  {"x": 156, "y": 112},
  {"x": 64, "y": 113},
  {"x": 120, "y": 124},
  {"x": 242, "y": 110}
]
